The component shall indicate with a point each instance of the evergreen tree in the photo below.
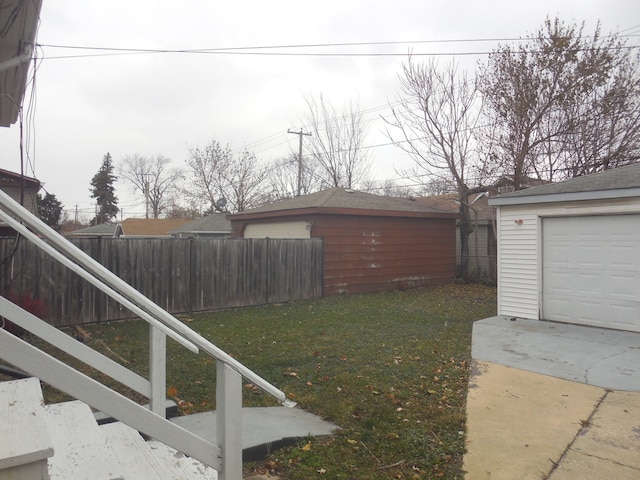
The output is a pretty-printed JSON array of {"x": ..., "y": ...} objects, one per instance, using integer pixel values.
[
  {"x": 103, "y": 191},
  {"x": 49, "y": 209}
]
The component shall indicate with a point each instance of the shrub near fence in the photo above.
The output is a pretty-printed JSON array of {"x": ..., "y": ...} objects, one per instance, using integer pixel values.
[{"x": 180, "y": 275}]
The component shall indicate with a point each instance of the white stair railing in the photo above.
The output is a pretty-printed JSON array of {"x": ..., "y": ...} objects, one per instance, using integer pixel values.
[{"x": 226, "y": 456}]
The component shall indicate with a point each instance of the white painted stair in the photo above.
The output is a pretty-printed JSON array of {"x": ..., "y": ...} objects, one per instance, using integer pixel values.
[{"x": 64, "y": 442}]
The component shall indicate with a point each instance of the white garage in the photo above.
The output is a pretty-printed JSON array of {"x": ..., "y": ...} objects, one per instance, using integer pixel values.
[{"x": 570, "y": 252}]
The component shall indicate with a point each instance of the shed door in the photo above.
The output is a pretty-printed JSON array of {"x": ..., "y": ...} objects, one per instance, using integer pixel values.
[{"x": 591, "y": 270}]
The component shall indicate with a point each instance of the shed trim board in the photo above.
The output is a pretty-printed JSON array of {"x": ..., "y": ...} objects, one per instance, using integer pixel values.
[
  {"x": 297, "y": 229},
  {"x": 521, "y": 252}
]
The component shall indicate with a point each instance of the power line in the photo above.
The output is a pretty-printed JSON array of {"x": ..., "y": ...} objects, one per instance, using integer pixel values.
[{"x": 261, "y": 49}]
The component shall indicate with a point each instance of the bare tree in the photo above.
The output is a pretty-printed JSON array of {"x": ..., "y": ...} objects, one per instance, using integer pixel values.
[
  {"x": 436, "y": 115},
  {"x": 388, "y": 188},
  {"x": 337, "y": 143},
  {"x": 561, "y": 104},
  {"x": 283, "y": 177},
  {"x": 607, "y": 132},
  {"x": 220, "y": 181},
  {"x": 153, "y": 177}
]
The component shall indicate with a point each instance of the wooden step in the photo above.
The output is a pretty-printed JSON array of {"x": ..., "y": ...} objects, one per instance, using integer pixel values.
[
  {"x": 132, "y": 452},
  {"x": 152, "y": 460},
  {"x": 25, "y": 444},
  {"x": 81, "y": 448},
  {"x": 183, "y": 466}
]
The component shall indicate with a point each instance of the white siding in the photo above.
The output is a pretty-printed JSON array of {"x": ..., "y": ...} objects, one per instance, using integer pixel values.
[
  {"x": 517, "y": 262},
  {"x": 277, "y": 230},
  {"x": 520, "y": 247}
]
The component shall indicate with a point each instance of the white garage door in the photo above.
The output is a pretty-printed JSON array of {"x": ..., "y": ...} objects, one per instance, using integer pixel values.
[{"x": 591, "y": 270}]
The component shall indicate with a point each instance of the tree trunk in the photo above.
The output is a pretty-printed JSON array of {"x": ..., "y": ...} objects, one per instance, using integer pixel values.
[{"x": 466, "y": 229}]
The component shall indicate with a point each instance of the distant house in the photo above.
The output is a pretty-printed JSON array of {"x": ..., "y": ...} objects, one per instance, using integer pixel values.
[
  {"x": 131, "y": 227},
  {"x": 214, "y": 225},
  {"x": 569, "y": 251},
  {"x": 482, "y": 241},
  {"x": 371, "y": 243},
  {"x": 104, "y": 230},
  {"x": 151, "y": 227},
  {"x": 23, "y": 190}
]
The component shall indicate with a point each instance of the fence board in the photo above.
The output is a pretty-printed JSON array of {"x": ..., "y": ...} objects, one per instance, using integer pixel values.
[{"x": 180, "y": 275}]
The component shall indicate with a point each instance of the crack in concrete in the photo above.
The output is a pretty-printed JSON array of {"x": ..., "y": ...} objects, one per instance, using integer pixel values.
[
  {"x": 596, "y": 362},
  {"x": 609, "y": 460},
  {"x": 585, "y": 426}
]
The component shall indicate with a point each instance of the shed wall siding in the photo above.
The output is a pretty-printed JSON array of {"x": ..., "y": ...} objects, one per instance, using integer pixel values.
[
  {"x": 520, "y": 248},
  {"x": 367, "y": 254}
]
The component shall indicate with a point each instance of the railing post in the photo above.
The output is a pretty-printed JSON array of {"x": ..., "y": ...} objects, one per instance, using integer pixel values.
[
  {"x": 229, "y": 421},
  {"x": 158, "y": 371}
]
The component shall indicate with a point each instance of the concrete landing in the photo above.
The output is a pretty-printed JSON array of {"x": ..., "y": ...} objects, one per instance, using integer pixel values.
[
  {"x": 264, "y": 429},
  {"x": 595, "y": 356}
]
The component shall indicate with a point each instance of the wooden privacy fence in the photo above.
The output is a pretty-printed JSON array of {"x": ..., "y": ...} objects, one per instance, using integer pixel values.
[{"x": 180, "y": 275}]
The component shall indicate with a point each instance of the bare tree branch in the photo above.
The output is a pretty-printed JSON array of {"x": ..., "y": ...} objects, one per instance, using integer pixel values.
[
  {"x": 153, "y": 177},
  {"x": 337, "y": 143}
]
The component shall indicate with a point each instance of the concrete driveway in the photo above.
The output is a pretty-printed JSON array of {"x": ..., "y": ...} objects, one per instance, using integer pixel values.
[{"x": 552, "y": 401}]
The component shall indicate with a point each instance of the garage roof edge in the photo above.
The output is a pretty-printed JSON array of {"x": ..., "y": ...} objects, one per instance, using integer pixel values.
[{"x": 566, "y": 197}]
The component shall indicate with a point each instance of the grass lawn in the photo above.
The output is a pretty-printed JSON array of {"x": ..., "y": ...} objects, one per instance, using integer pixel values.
[{"x": 391, "y": 369}]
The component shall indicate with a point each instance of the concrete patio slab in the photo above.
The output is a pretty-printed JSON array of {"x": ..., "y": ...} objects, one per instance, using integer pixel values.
[
  {"x": 609, "y": 442},
  {"x": 264, "y": 429},
  {"x": 552, "y": 401},
  {"x": 519, "y": 423}
]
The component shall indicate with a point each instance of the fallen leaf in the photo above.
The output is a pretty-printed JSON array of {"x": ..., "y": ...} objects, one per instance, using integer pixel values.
[
  {"x": 172, "y": 391},
  {"x": 307, "y": 447},
  {"x": 322, "y": 471}
]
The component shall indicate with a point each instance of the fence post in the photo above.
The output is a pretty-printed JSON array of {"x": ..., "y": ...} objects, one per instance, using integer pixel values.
[
  {"x": 158, "y": 371},
  {"x": 229, "y": 421}
]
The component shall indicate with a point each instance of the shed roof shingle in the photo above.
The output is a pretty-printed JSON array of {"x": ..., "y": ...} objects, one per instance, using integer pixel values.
[
  {"x": 214, "y": 223},
  {"x": 617, "y": 182},
  {"x": 344, "y": 199}
]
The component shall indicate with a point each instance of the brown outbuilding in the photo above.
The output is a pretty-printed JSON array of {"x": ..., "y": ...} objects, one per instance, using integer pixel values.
[{"x": 370, "y": 242}]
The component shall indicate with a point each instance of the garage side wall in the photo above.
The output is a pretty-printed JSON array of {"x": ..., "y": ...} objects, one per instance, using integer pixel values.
[
  {"x": 520, "y": 248},
  {"x": 369, "y": 254}
]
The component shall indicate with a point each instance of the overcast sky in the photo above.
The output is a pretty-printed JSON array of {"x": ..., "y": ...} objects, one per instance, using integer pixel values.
[{"x": 167, "y": 103}]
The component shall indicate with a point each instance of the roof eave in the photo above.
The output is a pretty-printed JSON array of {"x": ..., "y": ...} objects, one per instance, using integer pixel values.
[
  {"x": 566, "y": 197},
  {"x": 16, "y": 49},
  {"x": 338, "y": 211}
]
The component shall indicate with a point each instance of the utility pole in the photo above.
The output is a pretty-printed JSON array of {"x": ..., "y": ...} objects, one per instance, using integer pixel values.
[
  {"x": 300, "y": 134},
  {"x": 146, "y": 197}
]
